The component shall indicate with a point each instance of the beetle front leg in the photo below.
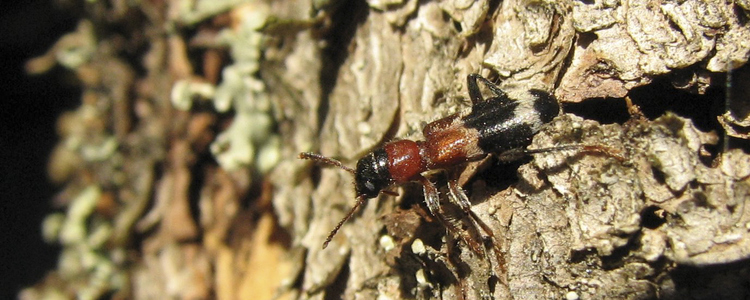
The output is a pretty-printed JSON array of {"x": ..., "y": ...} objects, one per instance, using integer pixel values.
[
  {"x": 458, "y": 193},
  {"x": 431, "y": 195},
  {"x": 432, "y": 198}
]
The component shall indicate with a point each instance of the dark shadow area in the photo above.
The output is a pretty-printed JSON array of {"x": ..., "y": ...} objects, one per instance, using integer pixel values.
[
  {"x": 602, "y": 110},
  {"x": 500, "y": 175},
  {"x": 30, "y": 107},
  {"x": 346, "y": 19},
  {"x": 652, "y": 217},
  {"x": 661, "y": 96},
  {"x": 729, "y": 281},
  {"x": 338, "y": 287},
  {"x": 654, "y": 100}
]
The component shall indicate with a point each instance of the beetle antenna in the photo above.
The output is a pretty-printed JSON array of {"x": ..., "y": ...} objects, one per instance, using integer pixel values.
[
  {"x": 360, "y": 201},
  {"x": 326, "y": 160}
]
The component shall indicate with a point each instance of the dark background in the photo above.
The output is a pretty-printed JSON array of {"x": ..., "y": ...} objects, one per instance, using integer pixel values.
[{"x": 29, "y": 106}]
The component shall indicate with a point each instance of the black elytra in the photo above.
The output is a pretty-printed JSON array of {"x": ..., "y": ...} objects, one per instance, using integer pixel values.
[{"x": 506, "y": 124}]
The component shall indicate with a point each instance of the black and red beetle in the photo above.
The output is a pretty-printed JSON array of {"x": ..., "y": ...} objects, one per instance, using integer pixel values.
[{"x": 498, "y": 125}]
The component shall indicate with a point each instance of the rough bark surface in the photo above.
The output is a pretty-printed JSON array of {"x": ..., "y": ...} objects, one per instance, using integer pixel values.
[{"x": 182, "y": 178}]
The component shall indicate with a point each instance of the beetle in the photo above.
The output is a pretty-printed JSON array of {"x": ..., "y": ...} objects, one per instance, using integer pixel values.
[{"x": 497, "y": 125}]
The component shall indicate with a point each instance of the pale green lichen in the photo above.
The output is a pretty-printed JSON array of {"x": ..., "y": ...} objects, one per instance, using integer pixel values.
[
  {"x": 73, "y": 230},
  {"x": 78, "y": 138},
  {"x": 51, "y": 227},
  {"x": 71, "y": 51},
  {"x": 100, "y": 151},
  {"x": 194, "y": 11},
  {"x": 86, "y": 267},
  {"x": 184, "y": 91},
  {"x": 269, "y": 154},
  {"x": 77, "y": 48},
  {"x": 84, "y": 263},
  {"x": 250, "y": 141}
]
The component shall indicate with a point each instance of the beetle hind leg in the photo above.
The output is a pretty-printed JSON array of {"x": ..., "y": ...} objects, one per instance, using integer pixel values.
[{"x": 486, "y": 233}]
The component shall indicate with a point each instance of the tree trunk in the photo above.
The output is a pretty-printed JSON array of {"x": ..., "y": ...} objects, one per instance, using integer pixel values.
[{"x": 182, "y": 175}]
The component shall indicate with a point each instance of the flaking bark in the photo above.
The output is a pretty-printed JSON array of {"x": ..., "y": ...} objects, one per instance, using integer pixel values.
[{"x": 171, "y": 200}]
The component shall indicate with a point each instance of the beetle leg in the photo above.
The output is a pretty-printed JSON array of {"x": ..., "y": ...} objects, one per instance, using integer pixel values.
[
  {"x": 515, "y": 154},
  {"x": 458, "y": 193},
  {"x": 614, "y": 153},
  {"x": 433, "y": 204},
  {"x": 431, "y": 195},
  {"x": 511, "y": 155},
  {"x": 476, "y": 95}
]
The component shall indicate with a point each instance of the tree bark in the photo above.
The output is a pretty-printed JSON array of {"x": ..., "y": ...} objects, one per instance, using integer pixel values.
[{"x": 182, "y": 178}]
